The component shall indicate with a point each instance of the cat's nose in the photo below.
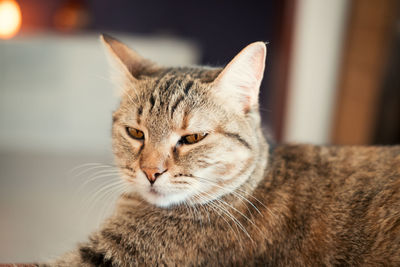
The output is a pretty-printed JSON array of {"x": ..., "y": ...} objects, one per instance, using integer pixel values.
[{"x": 153, "y": 173}]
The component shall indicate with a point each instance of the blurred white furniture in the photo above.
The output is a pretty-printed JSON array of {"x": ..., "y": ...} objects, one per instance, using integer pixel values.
[{"x": 317, "y": 47}]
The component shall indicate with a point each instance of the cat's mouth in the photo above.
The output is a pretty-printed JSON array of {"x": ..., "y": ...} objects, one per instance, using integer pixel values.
[{"x": 154, "y": 192}]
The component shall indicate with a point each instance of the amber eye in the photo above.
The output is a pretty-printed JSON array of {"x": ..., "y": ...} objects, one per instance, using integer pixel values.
[
  {"x": 192, "y": 138},
  {"x": 135, "y": 133}
]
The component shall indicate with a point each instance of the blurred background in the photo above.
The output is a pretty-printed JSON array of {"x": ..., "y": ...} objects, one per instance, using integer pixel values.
[{"x": 331, "y": 78}]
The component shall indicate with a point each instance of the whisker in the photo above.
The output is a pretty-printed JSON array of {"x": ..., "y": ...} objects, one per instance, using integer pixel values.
[
  {"x": 244, "y": 198},
  {"x": 109, "y": 189},
  {"x": 99, "y": 196},
  {"x": 232, "y": 216},
  {"x": 127, "y": 94},
  {"x": 236, "y": 189},
  {"x": 84, "y": 165},
  {"x": 92, "y": 179},
  {"x": 120, "y": 74},
  {"x": 98, "y": 190},
  {"x": 233, "y": 192},
  {"x": 230, "y": 206},
  {"x": 91, "y": 169},
  {"x": 101, "y": 173},
  {"x": 227, "y": 213},
  {"x": 110, "y": 198},
  {"x": 218, "y": 211}
]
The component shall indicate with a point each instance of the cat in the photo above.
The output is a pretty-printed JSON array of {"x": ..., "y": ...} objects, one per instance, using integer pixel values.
[{"x": 205, "y": 188}]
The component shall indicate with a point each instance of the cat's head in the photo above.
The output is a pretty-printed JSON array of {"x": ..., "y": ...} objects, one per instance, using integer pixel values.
[{"x": 187, "y": 134}]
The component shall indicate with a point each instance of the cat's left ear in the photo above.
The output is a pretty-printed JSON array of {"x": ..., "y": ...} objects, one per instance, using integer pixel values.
[
  {"x": 130, "y": 62},
  {"x": 238, "y": 84}
]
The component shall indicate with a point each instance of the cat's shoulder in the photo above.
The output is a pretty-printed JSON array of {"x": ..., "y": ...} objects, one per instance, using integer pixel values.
[
  {"x": 335, "y": 161},
  {"x": 308, "y": 152}
]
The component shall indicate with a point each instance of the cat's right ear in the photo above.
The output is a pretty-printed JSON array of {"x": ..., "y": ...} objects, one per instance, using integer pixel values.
[{"x": 130, "y": 62}]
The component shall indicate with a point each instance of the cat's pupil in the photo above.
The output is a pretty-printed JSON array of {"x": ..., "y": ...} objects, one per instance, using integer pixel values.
[
  {"x": 192, "y": 138},
  {"x": 134, "y": 133}
]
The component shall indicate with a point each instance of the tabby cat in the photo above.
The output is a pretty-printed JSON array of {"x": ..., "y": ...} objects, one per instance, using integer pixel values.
[{"x": 204, "y": 188}]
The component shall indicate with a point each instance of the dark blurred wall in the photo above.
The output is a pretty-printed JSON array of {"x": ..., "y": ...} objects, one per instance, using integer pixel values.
[
  {"x": 222, "y": 28},
  {"x": 387, "y": 128}
]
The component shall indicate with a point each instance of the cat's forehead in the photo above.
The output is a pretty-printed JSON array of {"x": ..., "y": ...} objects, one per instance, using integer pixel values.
[{"x": 170, "y": 99}]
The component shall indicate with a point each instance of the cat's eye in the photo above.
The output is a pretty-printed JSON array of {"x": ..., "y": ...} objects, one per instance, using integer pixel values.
[
  {"x": 192, "y": 138},
  {"x": 135, "y": 133}
]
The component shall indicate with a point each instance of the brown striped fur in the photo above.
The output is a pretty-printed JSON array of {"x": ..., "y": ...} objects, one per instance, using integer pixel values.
[{"x": 294, "y": 205}]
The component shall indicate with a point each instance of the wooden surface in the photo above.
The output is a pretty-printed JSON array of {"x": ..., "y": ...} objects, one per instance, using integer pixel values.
[{"x": 370, "y": 31}]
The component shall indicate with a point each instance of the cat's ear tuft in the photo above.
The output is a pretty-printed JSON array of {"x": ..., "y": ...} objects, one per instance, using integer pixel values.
[
  {"x": 239, "y": 82},
  {"x": 127, "y": 60}
]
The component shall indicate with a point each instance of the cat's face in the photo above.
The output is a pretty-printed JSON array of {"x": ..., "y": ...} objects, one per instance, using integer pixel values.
[{"x": 186, "y": 134}]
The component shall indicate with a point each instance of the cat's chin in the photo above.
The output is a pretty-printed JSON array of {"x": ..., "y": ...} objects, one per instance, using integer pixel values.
[{"x": 163, "y": 200}]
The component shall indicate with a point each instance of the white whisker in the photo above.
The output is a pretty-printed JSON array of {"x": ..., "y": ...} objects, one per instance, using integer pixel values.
[
  {"x": 231, "y": 190},
  {"x": 89, "y": 200},
  {"x": 84, "y": 165},
  {"x": 92, "y": 179},
  {"x": 241, "y": 196},
  {"x": 217, "y": 210},
  {"x": 225, "y": 211},
  {"x": 91, "y": 169}
]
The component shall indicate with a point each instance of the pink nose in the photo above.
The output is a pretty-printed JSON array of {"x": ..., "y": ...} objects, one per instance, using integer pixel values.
[{"x": 153, "y": 173}]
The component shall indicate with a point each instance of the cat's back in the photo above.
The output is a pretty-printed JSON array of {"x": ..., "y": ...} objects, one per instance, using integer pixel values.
[
  {"x": 347, "y": 157},
  {"x": 337, "y": 165},
  {"x": 345, "y": 198}
]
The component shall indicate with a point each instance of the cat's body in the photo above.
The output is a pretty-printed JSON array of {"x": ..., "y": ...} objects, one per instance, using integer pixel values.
[
  {"x": 323, "y": 206},
  {"x": 208, "y": 191}
]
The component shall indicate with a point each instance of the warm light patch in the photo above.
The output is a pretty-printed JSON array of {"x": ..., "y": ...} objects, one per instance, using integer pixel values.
[
  {"x": 10, "y": 18},
  {"x": 73, "y": 15}
]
